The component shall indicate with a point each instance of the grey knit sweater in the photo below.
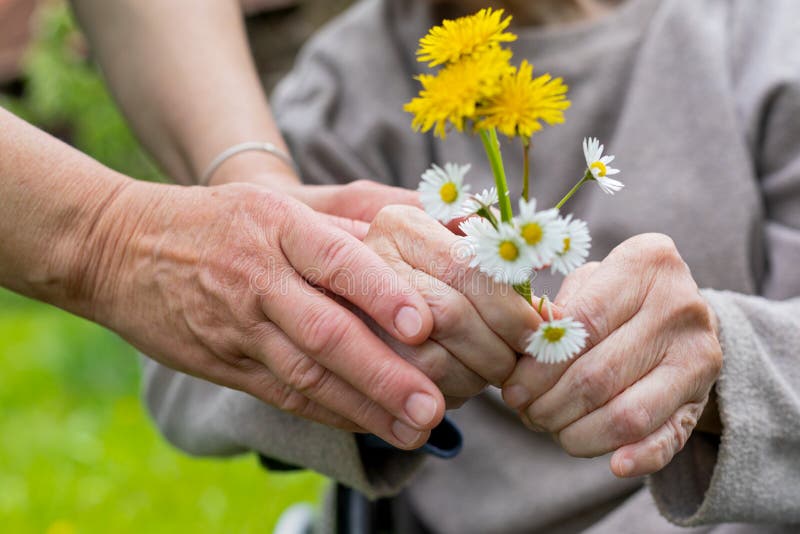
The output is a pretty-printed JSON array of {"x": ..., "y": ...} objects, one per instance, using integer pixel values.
[{"x": 700, "y": 101}]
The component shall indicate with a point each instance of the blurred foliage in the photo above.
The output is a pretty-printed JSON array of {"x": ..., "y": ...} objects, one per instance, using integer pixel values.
[
  {"x": 77, "y": 452},
  {"x": 65, "y": 95}
]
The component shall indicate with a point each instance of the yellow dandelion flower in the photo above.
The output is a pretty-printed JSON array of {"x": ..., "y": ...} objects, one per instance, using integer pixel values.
[
  {"x": 453, "y": 95},
  {"x": 463, "y": 37},
  {"x": 524, "y": 101}
]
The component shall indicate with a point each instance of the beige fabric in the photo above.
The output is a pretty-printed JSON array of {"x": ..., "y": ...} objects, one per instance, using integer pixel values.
[{"x": 699, "y": 99}]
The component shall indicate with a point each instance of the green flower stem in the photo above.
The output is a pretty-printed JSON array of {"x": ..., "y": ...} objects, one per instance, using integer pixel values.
[
  {"x": 492, "y": 147},
  {"x": 526, "y": 168},
  {"x": 524, "y": 291},
  {"x": 586, "y": 177},
  {"x": 487, "y": 214}
]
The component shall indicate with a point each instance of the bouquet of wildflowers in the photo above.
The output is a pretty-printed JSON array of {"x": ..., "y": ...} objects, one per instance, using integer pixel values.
[{"x": 477, "y": 89}]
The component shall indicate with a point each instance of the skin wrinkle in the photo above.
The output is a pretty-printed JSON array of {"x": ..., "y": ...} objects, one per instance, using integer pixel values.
[
  {"x": 656, "y": 401},
  {"x": 456, "y": 303}
]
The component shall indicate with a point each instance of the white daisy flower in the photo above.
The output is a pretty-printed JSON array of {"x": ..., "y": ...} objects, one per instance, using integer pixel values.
[
  {"x": 575, "y": 248},
  {"x": 500, "y": 253},
  {"x": 540, "y": 231},
  {"x": 443, "y": 191},
  {"x": 599, "y": 166},
  {"x": 557, "y": 341},
  {"x": 485, "y": 199}
]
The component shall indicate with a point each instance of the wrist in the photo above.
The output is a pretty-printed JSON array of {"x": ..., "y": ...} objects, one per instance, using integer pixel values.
[
  {"x": 256, "y": 167},
  {"x": 110, "y": 247}
]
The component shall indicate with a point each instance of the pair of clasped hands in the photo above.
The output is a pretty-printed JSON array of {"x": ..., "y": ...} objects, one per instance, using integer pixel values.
[{"x": 347, "y": 305}]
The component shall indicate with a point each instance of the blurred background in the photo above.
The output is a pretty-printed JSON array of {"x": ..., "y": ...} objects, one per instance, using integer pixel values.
[{"x": 77, "y": 452}]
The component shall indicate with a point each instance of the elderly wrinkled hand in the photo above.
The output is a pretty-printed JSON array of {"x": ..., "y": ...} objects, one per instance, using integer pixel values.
[
  {"x": 651, "y": 360},
  {"x": 479, "y": 325}
]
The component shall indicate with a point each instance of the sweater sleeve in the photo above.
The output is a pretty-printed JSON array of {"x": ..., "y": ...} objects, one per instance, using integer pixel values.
[
  {"x": 751, "y": 473},
  {"x": 204, "y": 419}
]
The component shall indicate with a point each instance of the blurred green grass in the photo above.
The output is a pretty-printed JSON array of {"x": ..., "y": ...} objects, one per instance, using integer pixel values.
[{"x": 77, "y": 452}]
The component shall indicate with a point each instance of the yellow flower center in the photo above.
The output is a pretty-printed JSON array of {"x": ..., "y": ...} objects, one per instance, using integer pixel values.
[
  {"x": 567, "y": 245},
  {"x": 449, "y": 193},
  {"x": 601, "y": 168},
  {"x": 532, "y": 233},
  {"x": 553, "y": 334},
  {"x": 508, "y": 251}
]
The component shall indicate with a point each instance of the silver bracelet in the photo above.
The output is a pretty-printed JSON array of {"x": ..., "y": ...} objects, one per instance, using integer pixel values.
[{"x": 245, "y": 147}]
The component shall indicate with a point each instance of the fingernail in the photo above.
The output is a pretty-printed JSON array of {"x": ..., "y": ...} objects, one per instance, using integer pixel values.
[
  {"x": 421, "y": 409},
  {"x": 408, "y": 321},
  {"x": 516, "y": 396},
  {"x": 404, "y": 433},
  {"x": 626, "y": 467}
]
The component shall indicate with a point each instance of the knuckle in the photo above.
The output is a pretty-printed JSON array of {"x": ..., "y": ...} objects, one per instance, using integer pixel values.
[
  {"x": 276, "y": 206},
  {"x": 384, "y": 380},
  {"x": 631, "y": 423},
  {"x": 449, "y": 313},
  {"x": 399, "y": 213},
  {"x": 434, "y": 361},
  {"x": 501, "y": 368},
  {"x": 364, "y": 414},
  {"x": 588, "y": 310},
  {"x": 322, "y": 329},
  {"x": 291, "y": 401},
  {"x": 337, "y": 252},
  {"x": 671, "y": 441},
  {"x": 594, "y": 385},
  {"x": 307, "y": 376},
  {"x": 661, "y": 250},
  {"x": 541, "y": 418},
  {"x": 662, "y": 451},
  {"x": 361, "y": 185},
  {"x": 655, "y": 250},
  {"x": 679, "y": 434},
  {"x": 388, "y": 216}
]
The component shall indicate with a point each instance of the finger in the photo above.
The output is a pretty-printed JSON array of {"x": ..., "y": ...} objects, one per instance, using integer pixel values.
[
  {"x": 598, "y": 376},
  {"x": 246, "y": 374},
  {"x": 630, "y": 353},
  {"x": 634, "y": 414},
  {"x": 254, "y": 378},
  {"x": 357, "y": 229},
  {"x": 531, "y": 379},
  {"x": 440, "y": 365},
  {"x": 459, "y": 329},
  {"x": 304, "y": 383},
  {"x": 610, "y": 295},
  {"x": 655, "y": 451},
  {"x": 443, "y": 367},
  {"x": 333, "y": 259},
  {"x": 574, "y": 281},
  {"x": 342, "y": 343},
  {"x": 401, "y": 229},
  {"x": 454, "y": 403}
]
